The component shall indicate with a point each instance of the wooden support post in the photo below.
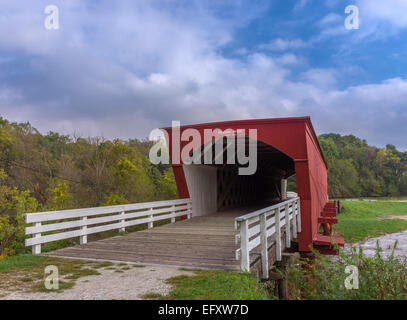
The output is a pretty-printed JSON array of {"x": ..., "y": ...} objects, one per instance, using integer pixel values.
[
  {"x": 244, "y": 245},
  {"x": 282, "y": 282},
  {"x": 151, "y": 223},
  {"x": 36, "y": 249},
  {"x": 264, "y": 247},
  {"x": 287, "y": 227},
  {"x": 83, "y": 239},
  {"x": 173, "y": 213},
  {"x": 283, "y": 189},
  {"x": 278, "y": 234},
  {"x": 299, "y": 215},
  {"x": 122, "y": 229}
]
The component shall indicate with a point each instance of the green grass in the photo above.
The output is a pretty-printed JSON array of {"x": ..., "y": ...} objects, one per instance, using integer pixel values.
[
  {"x": 362, "y": 219},
  {"x": 215, "y": 285},
  {"x": 27, "y": 272},
  {"x": 153, "y": 296},
  {"x": 103, "y": 264},
  {"x": 62, "y": 285},
  {"x": 23, "y": 261}
]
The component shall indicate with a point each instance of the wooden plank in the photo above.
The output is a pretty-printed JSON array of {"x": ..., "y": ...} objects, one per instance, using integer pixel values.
[
  {"x": 188, "y": 252},
  {"x": 194, "y": 263},
  {"x": 172, "y": 244}
]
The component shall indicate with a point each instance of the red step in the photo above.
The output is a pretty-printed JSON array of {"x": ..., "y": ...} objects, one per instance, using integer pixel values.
[
  {"x": 321, "y": 240},
  {"x": 328, "y": 214},
  {"x": 327, "y": 220}
]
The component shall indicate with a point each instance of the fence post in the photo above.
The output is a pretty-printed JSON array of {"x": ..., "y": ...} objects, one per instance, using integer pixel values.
[
  {"x": 244, "y": 246},
  {"x": 122, "y": 229},
  {"x": 150, "y": 224},
  {"x": 294, "y": 210},
  {"x": 287, "y": 227},
  {"x": 36, "y": 249},
  {"x": 299, "y": 215},
  {"x": 277, "y": 233},
  {"x": 84, "y": 237},
  {"x": 189, "y": 209},
  {"x": 264, "y": 247},
  {"x": 173, "y": 213}
]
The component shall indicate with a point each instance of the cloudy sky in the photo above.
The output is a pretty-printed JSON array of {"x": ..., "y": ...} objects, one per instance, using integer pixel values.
[{"x": 123, "y": 68}]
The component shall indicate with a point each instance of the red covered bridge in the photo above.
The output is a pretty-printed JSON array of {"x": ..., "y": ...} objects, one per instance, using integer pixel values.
[
  {"x": 236, "y": 220},
  {"x": 286, "y": 146}
]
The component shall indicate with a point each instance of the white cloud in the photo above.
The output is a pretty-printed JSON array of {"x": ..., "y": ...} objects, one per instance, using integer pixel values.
[
  {"x": 331, "y": 18},
  {"x": 301, "y": 4},
  {"x": 321, "y": 78},
  {"x": 122, "y": 70},
  {"x": 241, "y": 51},
  {"x": 378, "y": 20},
  {"x": 289, "y": 59},
  {"x": 390, "y": 11},
  {"x": 280, "y": 44}
]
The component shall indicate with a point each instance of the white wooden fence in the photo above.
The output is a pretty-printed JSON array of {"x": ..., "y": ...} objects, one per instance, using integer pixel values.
[
  {"x": 100, "y": 219},
  {"x": 257, "y": 227}
]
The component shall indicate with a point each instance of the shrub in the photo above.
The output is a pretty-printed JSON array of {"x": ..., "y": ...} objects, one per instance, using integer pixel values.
[
  {"x": 380, "y": 277},
  {"x": 13, "y": 203}
]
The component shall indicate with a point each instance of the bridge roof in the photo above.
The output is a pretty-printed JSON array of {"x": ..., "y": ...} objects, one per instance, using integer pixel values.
[{"x": 233, "y": 124}]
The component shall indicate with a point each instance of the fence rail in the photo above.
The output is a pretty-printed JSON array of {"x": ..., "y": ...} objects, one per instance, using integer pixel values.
[
  {"x": 257, "y": 227},
  {"x": 99, "y": 219}
]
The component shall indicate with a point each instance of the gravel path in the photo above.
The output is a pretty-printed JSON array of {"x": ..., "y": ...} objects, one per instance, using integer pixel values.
[
  {"x": 110, "y": 285},
  {"x": 386, "y": 243}
]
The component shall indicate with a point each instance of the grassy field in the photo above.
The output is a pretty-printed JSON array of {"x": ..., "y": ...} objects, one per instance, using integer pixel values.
[
  {"x": 216, "y": 285},
  {"x": 365, "y": 219}
]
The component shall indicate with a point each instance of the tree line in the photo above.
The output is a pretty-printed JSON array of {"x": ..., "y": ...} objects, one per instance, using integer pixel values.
[
  {"x": 46, "y": 172},
  {"x": 357, "y": 169},
  {"x": 55, "y": 172}
]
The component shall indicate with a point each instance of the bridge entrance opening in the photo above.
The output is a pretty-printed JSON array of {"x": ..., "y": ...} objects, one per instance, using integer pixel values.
[{"x": 218, "y": 186}]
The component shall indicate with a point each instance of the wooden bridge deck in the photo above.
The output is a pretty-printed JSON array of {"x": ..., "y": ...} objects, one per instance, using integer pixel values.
[{"x": 205, "y": 242}]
